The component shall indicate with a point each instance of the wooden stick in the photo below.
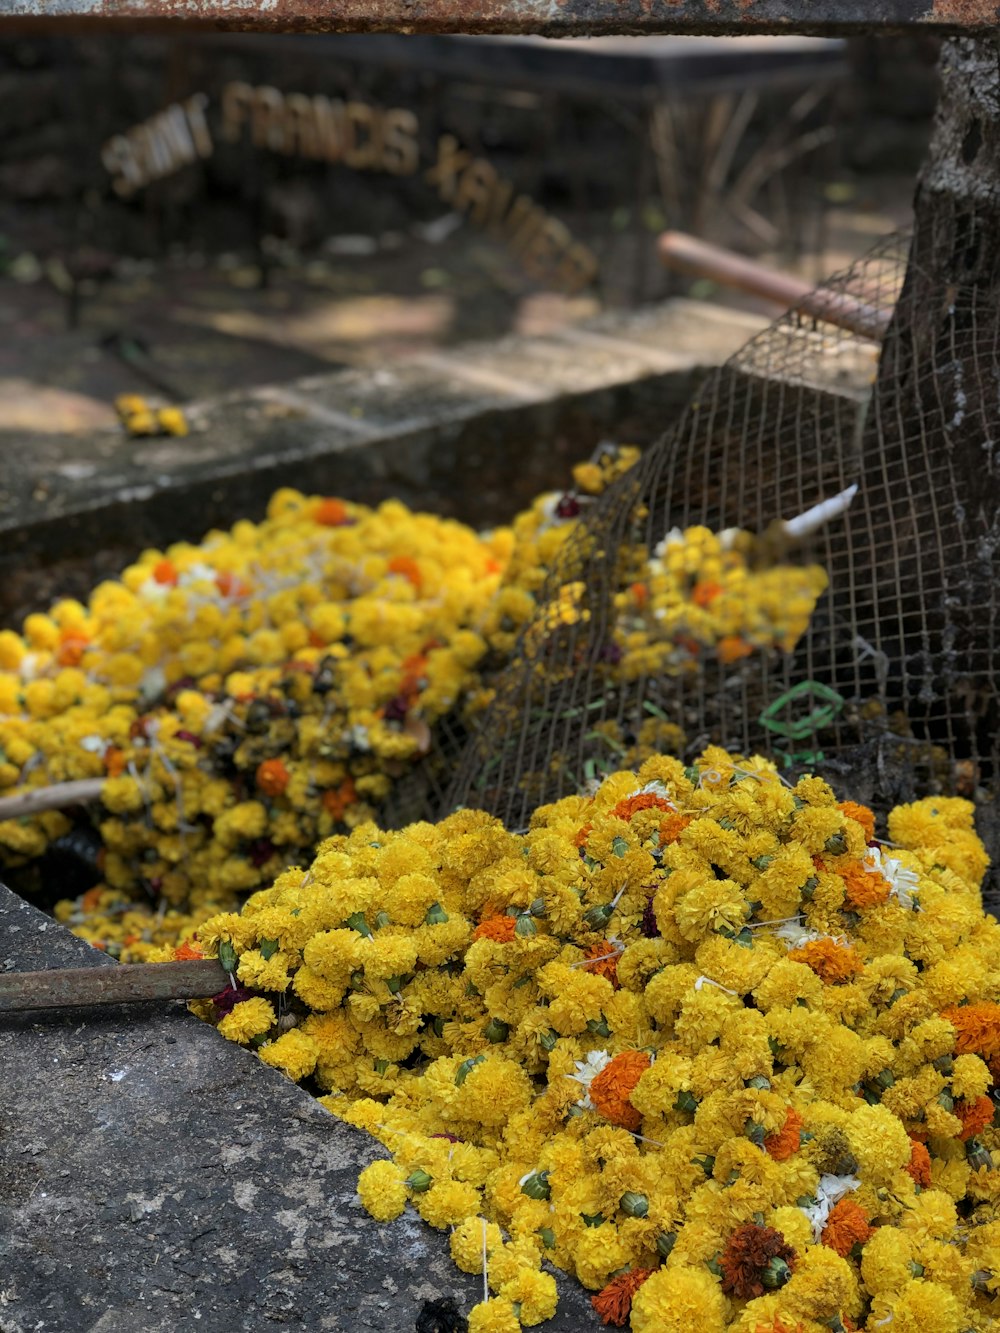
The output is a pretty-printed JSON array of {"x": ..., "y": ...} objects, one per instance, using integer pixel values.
[
  {"x": 59, "y": 796},
  {"x": 129, "y": 983},
  {"x": 686, "y": 254}
]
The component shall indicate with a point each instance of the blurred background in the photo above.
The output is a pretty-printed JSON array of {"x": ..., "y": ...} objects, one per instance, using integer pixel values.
[{"x": 195, "y": 215}]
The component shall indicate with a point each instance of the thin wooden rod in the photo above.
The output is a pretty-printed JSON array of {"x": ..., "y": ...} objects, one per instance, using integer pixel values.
[{"x": 129, "y": 983}]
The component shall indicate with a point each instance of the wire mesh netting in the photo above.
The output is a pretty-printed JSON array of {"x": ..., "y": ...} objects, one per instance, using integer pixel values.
[{"x": 889, "y": 690}]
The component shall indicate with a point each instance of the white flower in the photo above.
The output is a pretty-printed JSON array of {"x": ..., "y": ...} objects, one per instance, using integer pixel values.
[
  {"x": 675, "y": 537},
  {"x": 904, "y": 884},
  {"x": 796, "y": 934},
  {"x": 707, "y": 981},
  {"x": 654, "y": 789},
  {"x": 199, "y": 572},
  {"x": 153, "y": 683},
  {"x": 830, "y": 1190},
  {"x": 29, "y": 666},
  {"x": 586, "y": 1071},
  {"x": 358, "y": 737},
  {"x": 152, "y": 591},
  {"x": 94, "y": 744}
]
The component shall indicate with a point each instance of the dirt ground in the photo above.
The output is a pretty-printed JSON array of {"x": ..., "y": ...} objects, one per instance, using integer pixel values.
[{"x": 192, "y": 325}]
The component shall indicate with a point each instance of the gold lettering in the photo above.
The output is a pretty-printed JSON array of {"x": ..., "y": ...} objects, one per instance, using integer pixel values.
[
  {"x": 118, "y": 157},
  {"x": 268, "y": 119},
  {"x": 521, "y": 223},
  {"x": 178, "y": 141},
  {"x": 401, "y": 151},
  {"x": 475, "y": 190},
  {"x": 194, "y": 109},
  {"x": 332, "y": 128},
  {"x": 546, "y": 243},
  {"x": 237, "y": 99},
  {"x": 498, "y": 206},
  {"x": 366, "y": 153},
  {"x": 577, "y": 269},
  {"x": 302, "y": 126},
  {"x": 451, "y": 161}
]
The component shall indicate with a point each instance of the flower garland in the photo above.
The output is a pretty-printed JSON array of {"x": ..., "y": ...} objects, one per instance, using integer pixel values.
[{"x": 732, "y": 1127}]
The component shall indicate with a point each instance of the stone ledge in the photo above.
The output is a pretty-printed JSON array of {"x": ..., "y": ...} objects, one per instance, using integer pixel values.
[
  {"x": 154, "y": 1177},
  {"x": 475, "y": 432}
]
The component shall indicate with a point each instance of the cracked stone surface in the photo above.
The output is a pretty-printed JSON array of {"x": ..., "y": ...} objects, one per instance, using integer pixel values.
[{"x": 155, "y": 1177}]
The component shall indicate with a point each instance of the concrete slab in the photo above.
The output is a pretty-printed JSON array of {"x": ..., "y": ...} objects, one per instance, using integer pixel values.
[
  {"x": 155, "y": 1178},
  {"x": 474, "y": 432}
]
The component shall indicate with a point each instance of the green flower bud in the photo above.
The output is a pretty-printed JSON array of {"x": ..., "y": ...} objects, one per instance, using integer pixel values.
[
  {"x": 761, "y": 862},
  {"x": 538, "y": 907},
  {"x": 496, "y": 1030},
  {"x": 707, "y": 1163},
  {"x": 466, "y": 1067},
  {"x": 268, "y": 948},
  {"x": 525, "y": 926},
  {"x": 418, "y": 1181},
  {"x": 978, "y": 1156},
  {"x": 356, "y": 921},
  {"x": 946, "y": 1100},
  {"x": 537, "y": 1185},
  {"x": 380, "y": 1066},
  {"x": 599, "y": 1027},
  {"x": 756, "y": 1133},
  {"x": 981, "y": 1279},
  {"x": 436, "y": 915},
  {"x": 598, "y": 917},
  {"x": 686, "y": 1102},
  {"x": 809, "y": 888},
  {"x": 665, "y": 1242},
  {"x": 775, "y": 1274},
  {"x": 836, "y": 845},
  {"x": 916, "y": 1270},
  {"x": 592, "y": 1219},
  {"x": 633, "y": 1205},
  {"x": 548, "y": 1039},
  {"x": 759, "y": 1082},
  {"x": 394, "y": 984},
  {"x": 548, "y": 1237},
  {"x": 619, "y": 846},
  {"x": 382, "y": 920},
  {"x": 227, "y": 956}
]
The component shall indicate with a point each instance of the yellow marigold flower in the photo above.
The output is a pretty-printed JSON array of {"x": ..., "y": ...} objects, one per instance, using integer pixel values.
[
  {"x": 677, "y": 1300},
  {"x": 260, "y": 973},
  {"x": 470, "y": 1239},
  {"x": 295, "y": 1053},
  {"x": 448, "y": 1202},
  {"x": 248, "y": 1019},
  {"x": 919, "y": 1306},
  {"x": 494, "y": 1316},
  {"x": 534, "y": 1295},
  {"x": 382, "y": 1190}
]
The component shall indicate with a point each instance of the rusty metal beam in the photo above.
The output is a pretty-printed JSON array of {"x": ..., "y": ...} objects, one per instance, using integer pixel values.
[{"x": 551, "y": 17}]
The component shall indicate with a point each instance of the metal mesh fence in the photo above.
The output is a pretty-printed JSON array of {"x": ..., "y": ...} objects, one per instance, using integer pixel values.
[{"x": 891, "y": 690}]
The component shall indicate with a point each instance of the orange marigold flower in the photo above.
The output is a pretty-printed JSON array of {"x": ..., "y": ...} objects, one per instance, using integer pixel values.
[
  {"x": 643, "y": 800},
  {"x": 336, "y": 800},
  {"x": 499, "y": 928},
  {"x": 780, "y": 1325},
  {"x": 165, "y": 571},
  {"x": 864, "y": 888},
  {"x": 611, "y": 1088},
  {"x": 731, "y": 647},
  {"x": 846, "y": 1227},
  {"x": 749, "y": 1252},
  {"x": 187, "y": 951},
  {"x": 229, "y": 585},
  {"x": 640, "y": 593},
  {"x": 581, "y": 838},
  {"x": 408, "y": 567},
  {"x": 977, "y": 1027},
  {"x": 861, "y": 815},
  {"x": 331, "y": 513},
  {"x": 782, "y": 1145},
  {"x": 73, "y": 644},
  {"x": 114, "y": 761},
  {"x": 672, "y": 827},
  {"x": 605, "y": 963},
  {"x": 832, "y": 962},
  {"x": 975, "y": 1116},
  {"x": 272, "y": 777},
  {"x": 705, "y": 593},
  {"x": 89, "y": 901},
  {"x": 918, "y": 1168},
  {"x": 614, "y": 1302}
]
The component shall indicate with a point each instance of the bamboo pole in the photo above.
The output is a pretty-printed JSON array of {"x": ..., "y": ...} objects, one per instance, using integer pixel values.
[
  {"x": 129, "y": 983},
  {"x": 58, "y": 796}
]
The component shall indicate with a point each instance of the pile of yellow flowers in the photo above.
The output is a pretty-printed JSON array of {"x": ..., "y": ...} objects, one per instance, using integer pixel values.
[
  {"x": 699, "y": 1038},
  {"x": 243, "y": 697}
]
